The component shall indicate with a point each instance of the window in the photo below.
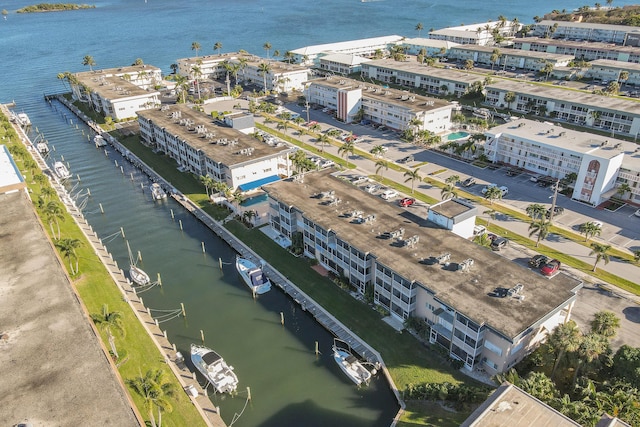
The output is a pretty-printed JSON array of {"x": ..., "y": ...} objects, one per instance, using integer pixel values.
[{"x": 492, "y": 347}]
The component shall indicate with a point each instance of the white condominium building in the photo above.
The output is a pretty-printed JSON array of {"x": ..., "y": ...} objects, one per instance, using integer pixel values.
[
  {"x": 203, "y": 147},
  {"x": 389, "y": 107},
  {"x": 361, "y": 47},
  {"x": 481, "y": 33},
  {"x": 573, "y": 30},
  {"x": 484, "y": 310},
  {"x": 119, "y": 92},
  {"x": 508, "y": 58},
  {"x": 583, "y": 50},
  {"x": 601, "y": 163}
]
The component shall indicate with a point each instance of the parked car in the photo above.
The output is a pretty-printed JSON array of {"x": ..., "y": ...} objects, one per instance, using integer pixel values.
[
  {"x": 550, "y": 268},
  {"x": 487, "y": 187},
  {"x": 371, "y": 188},
  {"x": 468, "y": 182},
  {"x": 389, "y": 194},
  {"x": 637, "y": 213},
  {"x": 311, "y": 123},
  {"x": 327, "y": 163},
  {"x": 557, "y": 211},
  {"x": 406, "y": 202},
  {"x": 505, "y": 190},
  {"x": 499, "y": 243},
  {"x": 479, "y": 230},
  {"x": 536, "y": 178},
  {"x": 407, "y": 159},
  {"x": 538, "y": 260}
]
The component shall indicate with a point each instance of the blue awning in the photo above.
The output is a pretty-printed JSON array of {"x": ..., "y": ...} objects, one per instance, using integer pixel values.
[{"x": 258, "y": 183}]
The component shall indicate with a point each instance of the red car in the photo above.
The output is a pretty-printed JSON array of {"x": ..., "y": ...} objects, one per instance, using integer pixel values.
[
  {"x": 311, "y": 123},
  {"x": 550, "y": 268},
  {"x": 406, "y": 202}
]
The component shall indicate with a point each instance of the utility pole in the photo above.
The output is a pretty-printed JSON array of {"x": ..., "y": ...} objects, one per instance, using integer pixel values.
[
  {"x": 306, "y": 105},
  {"x": 553, "y": 202}
]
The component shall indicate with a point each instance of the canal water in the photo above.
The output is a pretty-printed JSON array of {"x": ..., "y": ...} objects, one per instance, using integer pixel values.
[{"x": 289, "y": 384}]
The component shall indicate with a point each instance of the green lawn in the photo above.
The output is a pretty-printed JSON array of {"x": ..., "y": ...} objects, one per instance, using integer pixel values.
[{"x": 431, "y": 414}]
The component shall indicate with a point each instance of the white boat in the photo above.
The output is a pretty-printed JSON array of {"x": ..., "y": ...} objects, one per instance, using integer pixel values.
[
  {"x": 99, "y": 141},
  {"x": 157, "y": 192},
  {"x": 42, "y": 147},
  {"x": 61, "y": 170},
  {"x": 21, "y": 119},
  {"x": 214, "y": 368},
  {"x": 138, "y": 275},
  {"x": 350, "y": 364},
  {"x": 252, "y": 276}
]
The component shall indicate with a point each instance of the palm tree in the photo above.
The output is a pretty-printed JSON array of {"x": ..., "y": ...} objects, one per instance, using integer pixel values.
[
  {"x": 195, "y": 46},
  {"x": 536, "y": 210},
  {"x": 54, "y": 214},
  {"x": 492, "y": 194},
  {"x": 592, "y": 346},
  {"x": 495, "y": 56},
  {"x": 448, "y": 192},
  {"x": 601, "y": 253},
  {"x": 316, "y": 128},
  {"x": 68, "y": 247},
  {"x": 636, "y": 255},
  {"x": 605, "y": 323},
  {"x": 197, "y": 73},
  {"x": 47, "y": 192},
  {"x": 182, "y": 87},
  {"x": 267, "y": 46},
  {"x": 264, "y": 68},
  {"x": 452, "y": 180},
  {"x": 208, "y": 183},
  {"x": 289, "y": 56},
  {"x": 380, "y": 166},
  {"x": 88, "y": 61},
  {"x": 154, "y": 389},
  {"x": 347, "y": 149},
  {"x": 377, "y": 151},
  {"x": 541, "y": 227},
  {"x": 110, "y": 321},
  {"x": 174, "y": 68},
  {"x": 218, "y": 46},
  {"x": 623, "y": 189},
  {"x": 323, "y": 140},
  {"x": 333, "y": 133},
  {"x": 589, "y": 229},
  {"x": 248, "y": 216},
  {"x": 276, "y": 53},
  {"x": 564, "y": 338},
  {"x": 419, "y": 28},
  {"x": 412, "y": 176},
  {"x": 509, "y": 97}
]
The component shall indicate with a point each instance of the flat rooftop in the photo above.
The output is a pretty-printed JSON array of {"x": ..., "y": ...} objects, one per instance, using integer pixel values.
[
  {"x": 54, "y": 369},
  {"x": 452, "y": 208},
  {"x": 10, "y": 177},
  {"x": 111, "y": 87},
  {"x": 592, "y": 25},
  {"x": 582, "y": 45},
  {"x": 516, "y": 52},
  {"x": 402, "y": 98},
  {"x": 510, "y": 406},
  {"x": 229, "y": 153},
  {"x": 421, "y": 41},
  {"x": 346, "y": 46},
  {"x": 467, "y": 291},
  {"x": 415, "y": 67},
  {"x": 120, "y": 71},
  {"x": 609, "y": 63},
  {"x": 598, "y": 102}
]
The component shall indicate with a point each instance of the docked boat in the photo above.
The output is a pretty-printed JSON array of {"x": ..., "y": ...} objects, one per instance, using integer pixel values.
[
  {"x": 157, "y": 193},
  {"x": 252, "y": 276},
  {"x": 42, "y": 148},
  {"x": 61, "y": 170},
  {"x": 21, "y": 119},
  {"x": 138, "y": 275},
  {"x": 214, "y": 368},
  {"x": 99, "y": 141},
  {"x": 349, "y": 363}
]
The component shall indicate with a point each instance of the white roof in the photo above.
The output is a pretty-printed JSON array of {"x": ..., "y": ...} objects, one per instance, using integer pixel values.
[
  {"x": 430, "y": 43},
  {"x": 348, "y": 45},
  {"x": 344, "y": 58},
  {"x": 9, "y": 174},
  {"x": 609, "y": 63},
  {"x": 570, "y": 24}
]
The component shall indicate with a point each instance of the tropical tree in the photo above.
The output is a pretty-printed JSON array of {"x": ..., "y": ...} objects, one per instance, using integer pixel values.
[
  {"x": 377, "y": 150},
  {"x": 88, "y": 61},
  {"x": 174, "y": 68},
  {"x": 47, "y": 192},
  {"x": 289, "y": 56},
  {"x": 565, "y": 338},
  {"x": 263, "y": 69},
  {"x": 605, "y": 323},
  {"x": 591, "y": 347},
  {"x": 248, "y": 216},
  {"x": 381, "y": 165},
  {"x": 67, "y": 248},
  {"x": 196, "y": 71},
  {"x": 208, "y": 183},
  {"x": 539, "y": 386},
  {"x": 636, "y": 255},
  {"x": 601, "y": 252},
  {"x": 412, "y": 176},
  {"x": 623, "y": 189},
  {"x": 110, "y": 321},
  {"x": 154, "y": 389},
  {"x": 448, "y": 192},
  {"x": 323, "y": 140},
  {"x": 468, "y": 64},
  {"x": 452, "y": 180},
  {"x": 195, "y": 46},
  {"x": 509, "y": 97},
  {"x": 613, "y": 88},
  {"x": 536, "y": 210},
  {"x": 495, "y": 57},
  {"x": 316, "y": 128},
  {"x": 419, "y": 28},
  {"x": 624, "y": 76},
  {"x": 347, "y": 149},
  {"x": 493, "y": 193},
  {"x": 54, "y": 214},
  {"x": 541, "y": 227},
  {"x": 267, "y": 47},
  {"x": 218, "y": 46},
  {"x": 589, "y": 229},
  {"x": 276, "y": 53},
  {"x": 333, "y": 133}
]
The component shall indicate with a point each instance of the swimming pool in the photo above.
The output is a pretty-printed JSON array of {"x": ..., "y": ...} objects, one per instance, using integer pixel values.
[
  {"x": 457, "y": 135},
  {"x": 254, "y": 200}
]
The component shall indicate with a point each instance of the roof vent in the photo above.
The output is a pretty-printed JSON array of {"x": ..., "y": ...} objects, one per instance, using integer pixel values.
[
  {"x": 445, "y": 257},
  {"x": 397, "y": 234},
  {"x": 465, "y": 265}
]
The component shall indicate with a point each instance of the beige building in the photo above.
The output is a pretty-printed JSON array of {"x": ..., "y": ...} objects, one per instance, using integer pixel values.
[
  {"x": 485, "y": 310},
  {"x": 508, "y": 58},
  {"x": 581, "y": 50}
]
